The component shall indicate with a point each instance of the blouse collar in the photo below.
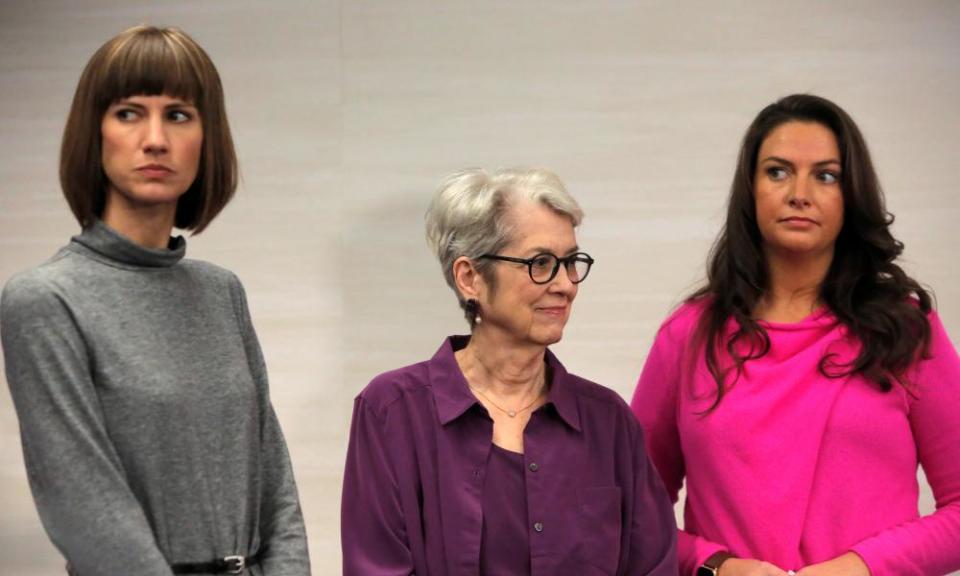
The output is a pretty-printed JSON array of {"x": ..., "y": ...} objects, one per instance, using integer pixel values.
[{"x": 453, "y": 396}]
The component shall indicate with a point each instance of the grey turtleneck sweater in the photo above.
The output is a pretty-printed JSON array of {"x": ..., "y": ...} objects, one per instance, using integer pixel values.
[{"x": 145, "y": 418}]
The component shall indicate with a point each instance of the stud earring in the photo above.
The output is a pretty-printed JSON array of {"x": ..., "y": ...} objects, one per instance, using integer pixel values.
[{"x": 473, "y": 310}]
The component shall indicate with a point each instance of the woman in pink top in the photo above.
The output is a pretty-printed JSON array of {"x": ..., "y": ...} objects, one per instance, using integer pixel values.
[{"x": 798, "y": 391}]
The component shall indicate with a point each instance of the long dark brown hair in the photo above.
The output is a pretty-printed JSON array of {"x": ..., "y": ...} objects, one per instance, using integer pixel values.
[{"x": 881, "y": 306}]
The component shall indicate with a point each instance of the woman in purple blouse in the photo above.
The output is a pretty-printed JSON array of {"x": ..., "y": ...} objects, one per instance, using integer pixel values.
[{"x": 490, "y": 458}]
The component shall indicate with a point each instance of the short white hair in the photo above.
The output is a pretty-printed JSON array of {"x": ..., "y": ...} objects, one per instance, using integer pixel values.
[{"x": 467, "y": 214}]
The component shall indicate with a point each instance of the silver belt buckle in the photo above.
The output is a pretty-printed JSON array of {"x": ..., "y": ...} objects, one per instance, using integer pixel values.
[{"x": 235, "y": 564}]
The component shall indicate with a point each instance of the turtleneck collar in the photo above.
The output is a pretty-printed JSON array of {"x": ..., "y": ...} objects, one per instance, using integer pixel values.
[{"x": 112, "y": 246}]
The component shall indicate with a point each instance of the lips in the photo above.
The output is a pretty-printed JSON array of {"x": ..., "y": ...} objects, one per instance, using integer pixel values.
[
  {"x": 154, "y": 170},
  {"x": 799, "y": 221},
  {"x": 553, "y": 310}
]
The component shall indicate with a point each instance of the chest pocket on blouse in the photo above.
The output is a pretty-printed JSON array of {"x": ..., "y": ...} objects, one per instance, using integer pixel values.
[{"x": 599, "y": 522}]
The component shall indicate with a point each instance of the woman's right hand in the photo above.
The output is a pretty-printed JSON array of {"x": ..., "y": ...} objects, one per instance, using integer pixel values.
[{"x": 749, "y": 567}]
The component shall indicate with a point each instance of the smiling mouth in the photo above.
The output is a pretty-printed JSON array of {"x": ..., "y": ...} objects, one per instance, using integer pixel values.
[{"x": 553, "y": 310}]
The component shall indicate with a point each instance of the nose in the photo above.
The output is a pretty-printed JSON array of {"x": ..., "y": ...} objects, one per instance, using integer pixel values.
[
  {"x": 799, "y": 195},
  {"x": 562, "y": 283},
  {"x": 155, "y": 140}
]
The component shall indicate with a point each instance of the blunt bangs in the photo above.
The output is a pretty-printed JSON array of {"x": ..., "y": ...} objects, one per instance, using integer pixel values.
[
  {"x": 150, "y": 64},
  {"x": 148, "y": 61}
]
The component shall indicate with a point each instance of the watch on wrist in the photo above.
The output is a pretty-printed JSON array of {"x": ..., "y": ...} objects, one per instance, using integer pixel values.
[{"x": 711, "y": 566}]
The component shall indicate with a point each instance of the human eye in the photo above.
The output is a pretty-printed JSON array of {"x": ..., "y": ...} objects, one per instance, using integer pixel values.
[
  {"x": 179, "y": 116},
  {"x": 543, "y": 261},
  {"x": 828, "y": 177},
  {"x": 125, "y": 113},
  {"x": 776, "y": 173}
]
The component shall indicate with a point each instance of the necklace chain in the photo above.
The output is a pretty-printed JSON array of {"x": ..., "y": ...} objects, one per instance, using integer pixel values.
[{"x": 510, "y": 413}]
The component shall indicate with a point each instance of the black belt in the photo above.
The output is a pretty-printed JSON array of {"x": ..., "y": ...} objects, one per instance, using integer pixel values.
[{"x": 225, "y": 565}]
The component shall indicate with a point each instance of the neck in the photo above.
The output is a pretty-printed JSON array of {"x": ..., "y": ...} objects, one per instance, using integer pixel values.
[
  {"x": 794, "y": 285},
  {"x": 506, "y": 370},
  {"x": 147, "y": 225}
]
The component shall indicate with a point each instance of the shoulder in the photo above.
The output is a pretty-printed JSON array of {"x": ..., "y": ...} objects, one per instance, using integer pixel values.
[
  {"x": 683, "y": 321},
  {"x": 37, "y": 287},
  {"x": 680, "y": 326},
  {"x": 592, "y": 392},
  {"x": 597, "y": 402},
  {"x": 386, "y": 389},
  {"x": 941, "y": 348},
  {"x": 933, "y": 318},
  {"x": 210, "y": 272},
  {"x": 42, "y": 300},
  {"x": 605, "y": 417},
  {"x": 217, "y": 281}
]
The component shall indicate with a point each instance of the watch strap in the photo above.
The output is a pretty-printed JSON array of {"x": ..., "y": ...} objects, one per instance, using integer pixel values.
[{"x": 711, "y": 566}]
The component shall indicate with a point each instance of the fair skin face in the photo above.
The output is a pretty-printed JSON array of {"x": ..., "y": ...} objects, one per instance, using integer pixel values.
[
  {"x": 519, "y": 319},
  {"x": 799, "y": 207},
  {"x": 151, "y": 155}
]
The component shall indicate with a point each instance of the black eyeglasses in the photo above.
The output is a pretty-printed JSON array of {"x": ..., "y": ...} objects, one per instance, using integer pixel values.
[{"x": 544, "y": 266}]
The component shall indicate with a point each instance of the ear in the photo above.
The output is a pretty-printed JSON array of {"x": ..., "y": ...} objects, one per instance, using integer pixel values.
[{"x": 468, "y": 280}]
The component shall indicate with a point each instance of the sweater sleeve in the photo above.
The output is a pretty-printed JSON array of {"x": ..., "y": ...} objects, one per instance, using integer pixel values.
[
  {"x": 931, "y": 544},
  {"x": 373, "y": 531},
  {"x": 283, "y": 536},
  {"x": 655, "y": 404},
  {"x": 78, "y": 482}
]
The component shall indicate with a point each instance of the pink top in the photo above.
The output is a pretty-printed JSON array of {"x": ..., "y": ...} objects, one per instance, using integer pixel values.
[{"x": 795, "y": 468}]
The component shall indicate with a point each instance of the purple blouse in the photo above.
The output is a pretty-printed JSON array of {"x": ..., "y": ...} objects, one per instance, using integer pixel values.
[
  {"x": 505, "y": 544},
  {"x": 418, "y": 462}
]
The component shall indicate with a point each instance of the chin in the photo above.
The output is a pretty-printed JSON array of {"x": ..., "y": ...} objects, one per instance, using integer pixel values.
[
  {"x": 152, "y": 197},
  {"x": 547, "y": 337},
  {"x": 799, "y": 248}
]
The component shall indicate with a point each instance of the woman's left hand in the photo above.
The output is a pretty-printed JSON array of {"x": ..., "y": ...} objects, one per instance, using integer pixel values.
[{"x": 849, "y": 564}]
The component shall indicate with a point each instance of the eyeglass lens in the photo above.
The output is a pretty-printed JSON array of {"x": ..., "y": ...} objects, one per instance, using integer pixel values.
[{"x": 544, "y": 267}]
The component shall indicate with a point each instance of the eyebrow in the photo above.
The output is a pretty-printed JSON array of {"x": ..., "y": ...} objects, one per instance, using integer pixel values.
[
  {"x": 791, "y": 164},
  {"x": 543, "y": 249}
]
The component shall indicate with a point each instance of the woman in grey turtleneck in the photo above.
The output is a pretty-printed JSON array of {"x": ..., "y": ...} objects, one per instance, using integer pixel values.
[{"x": 148, "y": 435}]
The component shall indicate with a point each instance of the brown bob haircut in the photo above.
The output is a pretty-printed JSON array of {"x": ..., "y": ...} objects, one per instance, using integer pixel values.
[{"x": 148, "y": 61}]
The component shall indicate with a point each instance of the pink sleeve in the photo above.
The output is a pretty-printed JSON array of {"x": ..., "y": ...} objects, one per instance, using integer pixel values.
[
  {"x": 931, "y": 544},
  {"x": 655, "y": 406}
]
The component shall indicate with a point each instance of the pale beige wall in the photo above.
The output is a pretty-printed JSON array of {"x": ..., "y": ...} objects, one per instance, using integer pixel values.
[{"x": 347, "y": 113}]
